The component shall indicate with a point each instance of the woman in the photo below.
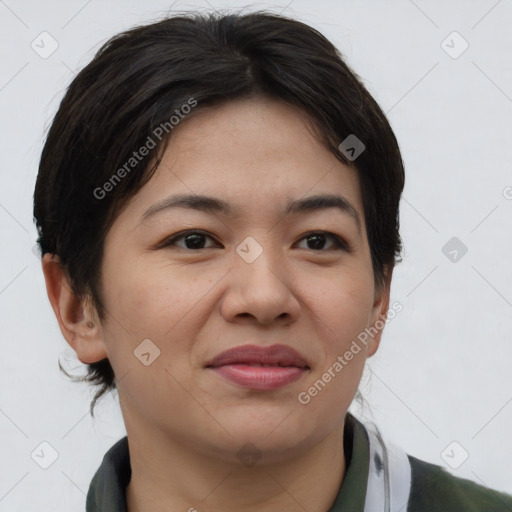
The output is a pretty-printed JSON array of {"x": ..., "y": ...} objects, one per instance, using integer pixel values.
[{"x": 217, "y": 204}]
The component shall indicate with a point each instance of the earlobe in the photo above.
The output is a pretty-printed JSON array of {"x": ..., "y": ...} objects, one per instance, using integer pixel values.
[{"x": 76, "y": 317}]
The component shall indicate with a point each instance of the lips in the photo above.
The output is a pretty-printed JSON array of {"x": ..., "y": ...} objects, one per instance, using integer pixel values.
[
  {"x": 254, "y": 355},
  {"x": 259, "y": 368}
]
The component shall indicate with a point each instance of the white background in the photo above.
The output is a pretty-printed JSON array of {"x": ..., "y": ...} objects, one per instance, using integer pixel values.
[{"x": 442, "y": 373}]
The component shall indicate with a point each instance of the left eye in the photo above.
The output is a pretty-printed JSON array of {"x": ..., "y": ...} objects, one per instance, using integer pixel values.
[
  {"x": 195, "y": 240},
  {"x": 318, "y": 240}
]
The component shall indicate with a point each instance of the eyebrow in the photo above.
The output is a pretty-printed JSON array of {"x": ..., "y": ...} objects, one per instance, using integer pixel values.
[{"x": 212, "y": 204}]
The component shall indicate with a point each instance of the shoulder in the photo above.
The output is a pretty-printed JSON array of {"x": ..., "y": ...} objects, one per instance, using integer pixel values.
[
  {"x": 107, "y": 490},
  {"x": 435, "y": 489}
]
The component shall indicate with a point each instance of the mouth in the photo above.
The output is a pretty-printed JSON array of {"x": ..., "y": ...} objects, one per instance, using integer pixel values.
[
  {"x": 260, "y": 368},
  {"x": 257, "y": 355}
]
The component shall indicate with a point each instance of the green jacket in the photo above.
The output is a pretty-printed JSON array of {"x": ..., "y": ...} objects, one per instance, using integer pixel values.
[{"x": 431, "y": 489}]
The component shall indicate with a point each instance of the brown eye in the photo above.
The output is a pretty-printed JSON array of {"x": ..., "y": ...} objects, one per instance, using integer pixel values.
[
  {"x": 193, "y": 240},
  {"x": 316, "y": 241}
]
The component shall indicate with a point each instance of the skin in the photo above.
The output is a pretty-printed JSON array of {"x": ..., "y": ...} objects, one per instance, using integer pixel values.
[{"x": 186, "y": 424}]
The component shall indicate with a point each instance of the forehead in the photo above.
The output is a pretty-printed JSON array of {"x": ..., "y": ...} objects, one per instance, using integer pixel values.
[{"x": 256, "y": 155}]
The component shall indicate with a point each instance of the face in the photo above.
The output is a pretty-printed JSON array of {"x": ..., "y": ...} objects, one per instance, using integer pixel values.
[{"x": 195, "y": 282}]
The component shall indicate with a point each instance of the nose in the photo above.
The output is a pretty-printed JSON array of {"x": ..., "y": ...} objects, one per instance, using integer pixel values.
[{"x": 260, "y": 291}]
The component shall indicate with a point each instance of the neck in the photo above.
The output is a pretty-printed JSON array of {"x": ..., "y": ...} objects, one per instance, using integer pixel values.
[{"x": 169, "y": 475}]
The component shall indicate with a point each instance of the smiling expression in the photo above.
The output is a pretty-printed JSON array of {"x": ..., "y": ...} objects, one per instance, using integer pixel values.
[{"x": 250, "y": 232}]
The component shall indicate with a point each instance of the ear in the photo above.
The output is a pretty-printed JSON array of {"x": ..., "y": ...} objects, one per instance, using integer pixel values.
[
  {"x": 379, "y": 312},
  {"x": 77, "y": 319}
]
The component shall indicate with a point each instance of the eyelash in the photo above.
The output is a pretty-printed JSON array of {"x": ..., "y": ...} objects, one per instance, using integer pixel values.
[{"x": 338, "y": 241}]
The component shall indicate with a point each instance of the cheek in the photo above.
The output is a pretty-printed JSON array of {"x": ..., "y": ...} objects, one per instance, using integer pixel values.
[
  {"x": 344, "y": 303},
  {"x": 341, "y": 311},
  {"x": 157, "y": 301},
  {"x": 162, "y": 305}
]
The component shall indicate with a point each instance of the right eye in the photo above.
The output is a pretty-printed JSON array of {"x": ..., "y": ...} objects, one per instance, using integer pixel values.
[{"x": 194, "y": 240}]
